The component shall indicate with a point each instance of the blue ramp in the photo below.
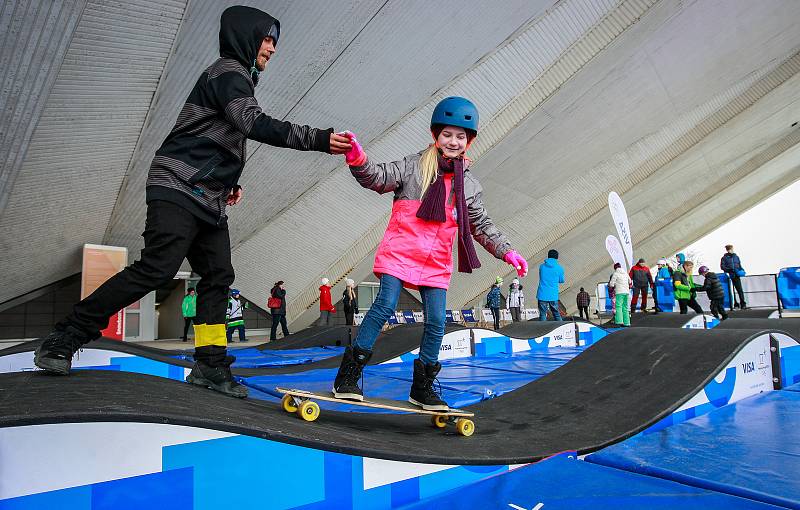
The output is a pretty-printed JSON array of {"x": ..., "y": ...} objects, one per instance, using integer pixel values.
[
  {"x": 563, "y": 483},
  {"x": 749, "y": 449}
]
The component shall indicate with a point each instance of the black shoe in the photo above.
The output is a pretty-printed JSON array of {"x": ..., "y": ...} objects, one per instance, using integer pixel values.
[
  {"x": 346, "y": 383},
  {"x": 217, "y": 378},
  {"x": 422, "y": 392},
  {"x": 55, "y": 352}
]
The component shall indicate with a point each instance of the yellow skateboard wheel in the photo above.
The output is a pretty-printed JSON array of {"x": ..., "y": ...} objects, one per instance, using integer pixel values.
[
  {"x": 288, "y": 404},
  {"x": 439, "y": 421},
  {"x": 465, "y": 427},
  {"x": 308, "y": 410}
]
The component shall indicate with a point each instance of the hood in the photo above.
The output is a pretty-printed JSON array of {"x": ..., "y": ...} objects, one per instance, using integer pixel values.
[
  {"x": 241, "y": 30},
  {"x": 551, "y": 262},
  {"x": 620, "y": 270}
]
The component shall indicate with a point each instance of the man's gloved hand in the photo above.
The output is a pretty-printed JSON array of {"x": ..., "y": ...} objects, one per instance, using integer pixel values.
[
  {"x": 515, "y": 259},
  {"x": 356, "y": 155}
]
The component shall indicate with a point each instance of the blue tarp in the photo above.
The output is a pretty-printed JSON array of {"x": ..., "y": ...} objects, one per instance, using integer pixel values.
[
  {"x": 463, "y": 381},
  {"x": 749, "y": 449},
  {"x": 254, "y": 358},
  {"x": 564, "y": 483}
]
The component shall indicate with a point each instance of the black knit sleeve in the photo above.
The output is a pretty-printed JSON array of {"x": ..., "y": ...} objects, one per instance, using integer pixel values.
[{"x": 233, "y": 95}]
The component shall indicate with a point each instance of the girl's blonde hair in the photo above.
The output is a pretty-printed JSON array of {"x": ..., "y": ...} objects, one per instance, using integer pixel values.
[{"x": 428, "y": 167}]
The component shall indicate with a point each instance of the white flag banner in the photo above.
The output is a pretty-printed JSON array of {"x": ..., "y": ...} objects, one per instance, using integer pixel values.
[
  {"x": 620, "y": 218},
  {"x": 614, "y": 249}
]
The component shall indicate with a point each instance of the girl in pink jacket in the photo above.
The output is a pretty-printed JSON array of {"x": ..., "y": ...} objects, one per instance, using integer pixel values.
[{"x": 437, "y": 202}]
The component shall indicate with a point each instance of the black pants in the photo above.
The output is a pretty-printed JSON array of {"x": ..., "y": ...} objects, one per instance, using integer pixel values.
[
  {"x": 278, "y": 318},
  {"x": 685, "y": 304},
  {"x": 171, "y": 234},
  {"x": 514, "y": 313},
  {"x": 583, "y": 312},
  {"x": 496, "y": 316},
  {"x": 186, "y": 322},
  {"x": 737, "y": 284},
  {"x": 348, "y": 316},
  {"x": 718, "y": 309}
]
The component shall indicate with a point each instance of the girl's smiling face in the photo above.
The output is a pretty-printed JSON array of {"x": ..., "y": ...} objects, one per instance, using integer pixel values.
[{"x": 452, "y": 141}]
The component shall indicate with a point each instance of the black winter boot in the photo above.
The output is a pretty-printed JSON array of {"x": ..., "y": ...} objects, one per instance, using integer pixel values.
[
  {"x": 346, "y": 383},
  {"x": 422, "y": 392},
  {"x": 215, "y": 374},
  {"x": 55, "y": 352}
]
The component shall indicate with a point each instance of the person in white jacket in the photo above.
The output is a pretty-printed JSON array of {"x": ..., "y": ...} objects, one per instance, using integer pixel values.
[
  {"x": 621, "y": 283},
  {"x": 516, "y": 300}
]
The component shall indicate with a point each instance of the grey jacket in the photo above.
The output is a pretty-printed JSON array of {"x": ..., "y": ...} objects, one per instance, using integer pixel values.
[{"x": 404, "y": 179}]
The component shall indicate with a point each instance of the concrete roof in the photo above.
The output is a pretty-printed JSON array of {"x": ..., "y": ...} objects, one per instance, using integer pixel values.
[{"x": 685, "y": 108}]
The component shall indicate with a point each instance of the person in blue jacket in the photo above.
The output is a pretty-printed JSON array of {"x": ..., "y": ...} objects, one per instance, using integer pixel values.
[
  {"x": 493, "y": 301},
  {"x": 551, "y": 274},
  {"x": 732, "y": 266}
]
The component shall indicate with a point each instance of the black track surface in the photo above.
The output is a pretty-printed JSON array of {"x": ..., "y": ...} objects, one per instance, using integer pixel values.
[
  {"x": 316, "y": 336},
  {"x": 752, "y": 313},
  {"x": 661, "y": 320},
  {"x": 791, "y": 326},
  {"x": 612, "y": 391},
  {"x": 390, "y": 344}
]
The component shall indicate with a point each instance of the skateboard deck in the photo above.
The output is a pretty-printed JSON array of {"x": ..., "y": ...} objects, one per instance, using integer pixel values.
[{"x": 302, "y": 403}]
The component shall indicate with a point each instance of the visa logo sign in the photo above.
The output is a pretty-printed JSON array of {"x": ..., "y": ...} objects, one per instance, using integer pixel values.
[{"x": 748, "y": 367}]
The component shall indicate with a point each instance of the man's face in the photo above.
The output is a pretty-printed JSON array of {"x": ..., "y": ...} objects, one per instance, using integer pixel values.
[
  {"x": 730, "y": 250},
  {"x": 265, "y": 53}
]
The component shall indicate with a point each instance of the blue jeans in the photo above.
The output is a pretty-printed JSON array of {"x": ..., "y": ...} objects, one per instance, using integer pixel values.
[
  {"x": 433, "y": 304},
  {"x": 552, "y": 305}
]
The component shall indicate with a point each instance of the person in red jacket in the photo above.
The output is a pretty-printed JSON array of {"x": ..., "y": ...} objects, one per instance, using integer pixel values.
[
  {"x": 641, "y": 280},
  {"x": 326, "y": 308}
]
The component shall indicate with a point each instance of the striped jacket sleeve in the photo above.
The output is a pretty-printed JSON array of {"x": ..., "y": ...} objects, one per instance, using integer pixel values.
[{"x": 234, "y": 96}]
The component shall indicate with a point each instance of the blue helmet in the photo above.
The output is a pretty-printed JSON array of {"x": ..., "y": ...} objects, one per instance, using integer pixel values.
[
  {"x": 234, "y": 292},
  {"x": 456, "y": 111}
]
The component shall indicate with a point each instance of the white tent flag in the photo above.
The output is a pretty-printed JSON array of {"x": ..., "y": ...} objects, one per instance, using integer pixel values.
[
  {"x": 620, "y": 218},
  {"x": 615, "y": 250}
]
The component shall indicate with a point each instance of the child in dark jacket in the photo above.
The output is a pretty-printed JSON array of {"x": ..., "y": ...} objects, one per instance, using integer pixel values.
[{"x": 713, "y": 288}]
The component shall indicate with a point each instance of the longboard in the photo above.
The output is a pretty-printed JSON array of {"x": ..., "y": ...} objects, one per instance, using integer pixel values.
[{"x": 301, "y": 402}]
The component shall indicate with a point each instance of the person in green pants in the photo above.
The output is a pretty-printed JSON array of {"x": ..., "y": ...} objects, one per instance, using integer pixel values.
[
  {"x": 621, "y": 283},
  {"x": 188, "y": 307}
]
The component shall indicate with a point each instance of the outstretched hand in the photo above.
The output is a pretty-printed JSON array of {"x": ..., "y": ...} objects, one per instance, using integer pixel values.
[
  {"x": 516, "y": 260},
  {"x": 235, "y": 196},
  {"x": 339, "y": 143},
  {"x": 355, "y": 156}
]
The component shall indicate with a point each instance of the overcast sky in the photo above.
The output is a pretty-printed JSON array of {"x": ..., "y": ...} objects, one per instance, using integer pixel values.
[{"x": 766, "y": 238}]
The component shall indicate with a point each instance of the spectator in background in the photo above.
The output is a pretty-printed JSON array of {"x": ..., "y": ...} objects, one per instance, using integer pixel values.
[
  {"x": 550, "y": 275},
  {"x": 189, "y": 309},
  {"x": 713, "y": 288},
  {"x": 326, "y": 307},
  {"x": 685, "y": 289},
  {"x": 493, "y": 301},
  {"x": 732, "y": 266},
  {"x": 582, "y": 301},
  {"x": 621, "y": 283},
  {"x": 663, "y": 273},
  {"x": 516, "y": 300},
  {"x": 349, "y": 301},
  {"x": 234, "y": 316},
  {"x": 641, "y": 279},
  {"x": 277, "y": 308}
]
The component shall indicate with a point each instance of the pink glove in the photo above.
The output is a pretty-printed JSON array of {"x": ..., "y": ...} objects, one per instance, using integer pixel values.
[
  {"x": 355, "y": 156},
  {"x": 516, "y": 260}
]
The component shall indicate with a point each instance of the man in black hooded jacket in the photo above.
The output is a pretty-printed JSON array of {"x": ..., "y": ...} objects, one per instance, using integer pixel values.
[{"x": 193, "y": 177}]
